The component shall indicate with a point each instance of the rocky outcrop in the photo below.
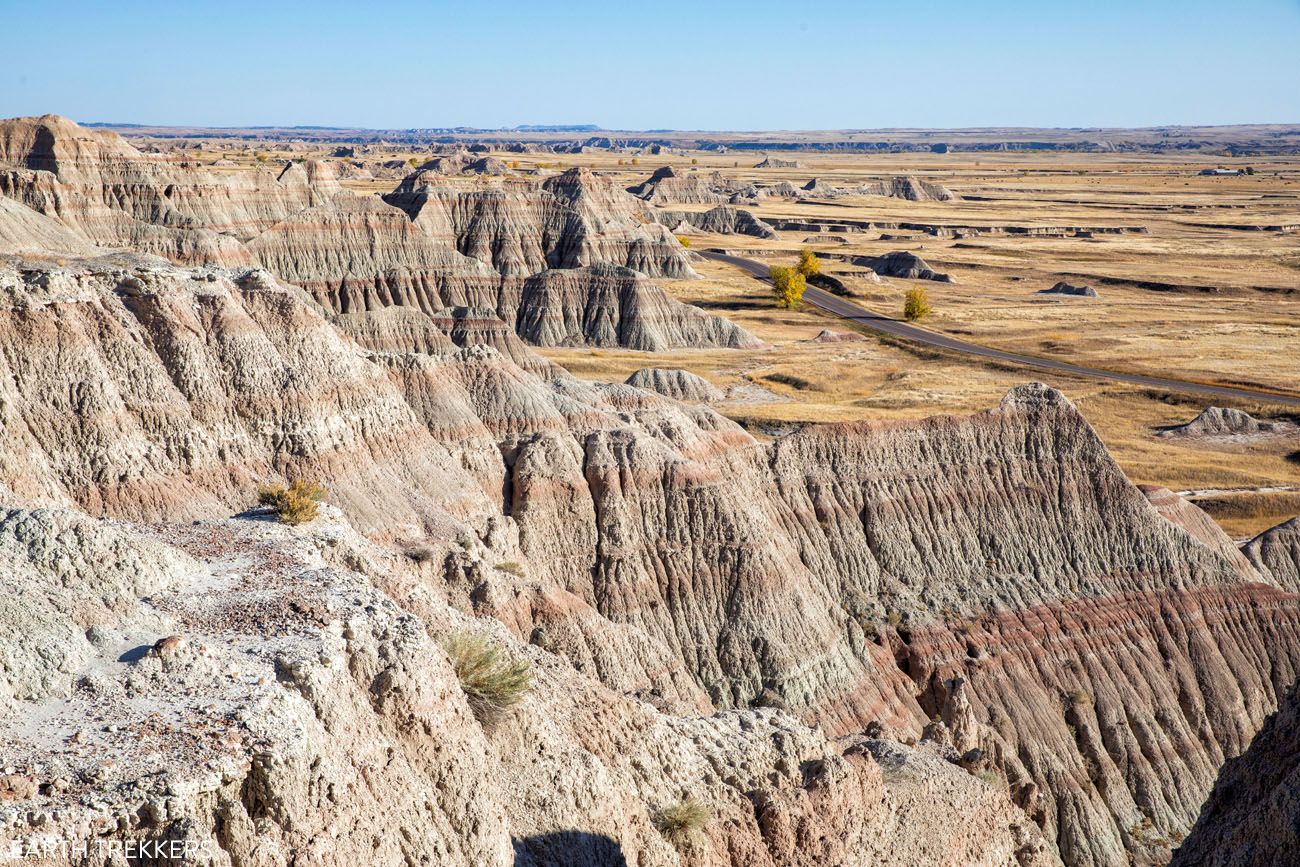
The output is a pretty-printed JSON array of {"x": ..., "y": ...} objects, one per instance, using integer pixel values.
[
  {"x": 1215, "y": 422},
  {"x": 826, "y": 335},
  {"x": 1202, "y": 527},
  {"x": 660, "y": 550},
  {"x": 1063, "y": 288},
  {"x": 675, "y": 383},
  {"x": 23, "y": 230},
  {"x": 902, "y": 264},
  {"x": 722, "y": 220},
  {"x": 1276, "y": 553},
  {"x": 701, "y": 609},
  {"x": 667, "y": 187},
  {"x": 905, "y": 187},
  {"x": 1250, "y": 819},
  {"x": 609, "y": 306},
  {"x": 428, "y": 248},
  {"x": 114, "y": 196},
  {"x": 777, "y": 163},
  {"x": 575, "y": 220},
  {"x": 179, "y": 720}
]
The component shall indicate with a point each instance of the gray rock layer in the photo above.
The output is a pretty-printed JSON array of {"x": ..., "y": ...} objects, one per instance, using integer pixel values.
[{"x": 675, "y": 383}]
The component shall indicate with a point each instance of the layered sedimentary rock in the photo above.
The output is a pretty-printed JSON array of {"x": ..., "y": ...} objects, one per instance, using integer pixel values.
[
  {"x": 22, "y": 230},
  {"x": 430, "y": 249},
  {"x": 778, "y": 163},
  {"x": 606, "y": 305},
  {"x": 840, "y": 572},
  {"x": 667, "y": 187},
  {"x": 722, "y": 220},
  {"x": 149, "y": 392},
  {"x": 300, "y": 715},
  {"x": 903, "y": 187},
  {"x": 576, "y": 219},
  {"x": 707, "y": 615},
  {"x": 675, "y": 383},
  {"x": 113, "y": 196}
]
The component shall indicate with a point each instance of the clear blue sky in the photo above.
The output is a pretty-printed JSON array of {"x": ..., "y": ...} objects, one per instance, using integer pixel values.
[{"x": 733, "y": 64}]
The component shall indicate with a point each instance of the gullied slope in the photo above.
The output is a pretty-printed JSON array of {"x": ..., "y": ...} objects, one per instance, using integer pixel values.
[
  {"x": 68, "y": 190},
  {"x": 998, "y": 571},
  {"x": 1251, "y": 817}
]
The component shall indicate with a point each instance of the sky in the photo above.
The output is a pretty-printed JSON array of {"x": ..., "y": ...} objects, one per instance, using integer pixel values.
[{"x": 727, "y": 65}]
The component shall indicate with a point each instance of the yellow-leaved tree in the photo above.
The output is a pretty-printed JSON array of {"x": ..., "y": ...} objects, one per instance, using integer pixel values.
[
  {"x": 916, "y": 304},
  {"x": 787, "y": 286},
  {"x": 809, "y": 265}
]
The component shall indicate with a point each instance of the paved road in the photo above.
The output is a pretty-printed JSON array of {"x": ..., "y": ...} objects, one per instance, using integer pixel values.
[{"x": 854, "y": 312}]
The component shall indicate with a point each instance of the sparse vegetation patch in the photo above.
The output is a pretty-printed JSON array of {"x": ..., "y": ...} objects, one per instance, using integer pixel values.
[
  {"x": 293, "y": 505},
  {"x": 491, "y": 679}
]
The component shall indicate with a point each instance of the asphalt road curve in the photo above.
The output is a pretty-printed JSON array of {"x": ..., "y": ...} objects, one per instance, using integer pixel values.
[{"x": 854, "y": 312}]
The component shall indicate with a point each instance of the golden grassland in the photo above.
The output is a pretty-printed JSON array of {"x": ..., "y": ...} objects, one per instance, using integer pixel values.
[{"x": 1214, "y": 323}]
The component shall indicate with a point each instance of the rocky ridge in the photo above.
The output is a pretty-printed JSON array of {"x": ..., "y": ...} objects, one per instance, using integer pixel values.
[
  {"x": 660, "y": 550},
  {"x": 424, "y": 246}
]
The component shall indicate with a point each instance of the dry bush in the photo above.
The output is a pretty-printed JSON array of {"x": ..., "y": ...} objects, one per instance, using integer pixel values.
[
  {"x": 683, "y": 821},
  {"x": 294, "y": 505},
  {"x": 490, "y": 678},
  {"x": 683, "y": 240},
  {"x": 511, "y": 567},
  {"x": 916, "y": 304}
]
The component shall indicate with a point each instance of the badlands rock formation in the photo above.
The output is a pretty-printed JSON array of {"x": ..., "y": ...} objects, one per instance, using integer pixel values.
[
  {"x": 1276, "y": 553},
  {"x": 900, "y": 263},
  {"x": 667, "y": 187},
  {"x": 906, "y": 187},
  {"x": 778, "y": 163},
  {"x": 1216, "y": 422},
  {"x": 1063, "y": 288},
  {"x": 1096, "y": 659},
  {"x": 722, "y": 220},
  {"x": 675, "y": 383},
  {"x": 1250, "y": 817},
  {"x": 426, "y": 247},
  {"x": 960, "y": 640}
]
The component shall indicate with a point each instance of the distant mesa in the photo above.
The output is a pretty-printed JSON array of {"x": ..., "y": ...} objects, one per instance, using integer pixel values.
[
  {"x": 1063, "y": 288},
  {"x": 777, "y": 163},
  {"x": 675, "y": 383},
  {"x": 900, "y": 187}
]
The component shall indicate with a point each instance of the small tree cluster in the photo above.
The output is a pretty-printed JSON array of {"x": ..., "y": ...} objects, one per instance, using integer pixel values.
[
  {"x": 809, "y": 265},
  {"x": 683, "y": 240},
  {"x": 294, "y": 505},
  {"x": 788, "y": 286},
  {"x": 916, "y": 304}
]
